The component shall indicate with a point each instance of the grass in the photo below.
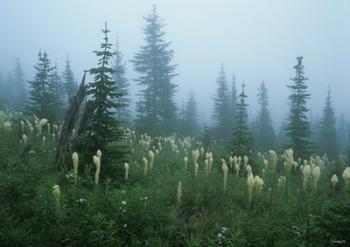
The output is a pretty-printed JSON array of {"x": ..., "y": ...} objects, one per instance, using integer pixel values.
[{"x": 143, "y": 211}]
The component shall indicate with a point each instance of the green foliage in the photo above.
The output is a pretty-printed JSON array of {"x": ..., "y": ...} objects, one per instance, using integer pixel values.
[
  {"x": 241, "y": 142},
  {"x": 103, "y": 131},
  {"x": 42, "y": 96},
  {"x": 142, "y": 211},
  {"x": 298, "y": 127}
]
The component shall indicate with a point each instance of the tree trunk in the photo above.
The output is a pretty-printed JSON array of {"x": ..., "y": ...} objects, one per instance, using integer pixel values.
[{"x": 72, "y": 115}]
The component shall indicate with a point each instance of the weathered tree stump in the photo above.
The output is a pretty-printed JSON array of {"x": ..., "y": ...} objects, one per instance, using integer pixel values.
[{"x": 72, "y": 116}]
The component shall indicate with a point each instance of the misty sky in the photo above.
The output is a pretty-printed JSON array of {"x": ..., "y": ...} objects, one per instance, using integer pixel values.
[{"x": 257, "y": 40}]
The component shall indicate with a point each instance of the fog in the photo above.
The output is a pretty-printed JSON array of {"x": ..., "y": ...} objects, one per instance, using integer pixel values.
[{"x": 257, "y": 40}]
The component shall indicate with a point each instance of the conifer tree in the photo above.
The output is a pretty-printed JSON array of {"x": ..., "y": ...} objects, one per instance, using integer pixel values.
[
  {"x": 222, "y": 108},
  {"x": 103, "y": 131},
  {"x": 124, "y": 114},
  {"x": 70, "y": 84},
  {"x": 41, "y": 95},
  {"x": 241, "y": 142},
  {"x": 328, "y": 134},
  {"x": 298, "y": 126},
  {"x": 265, "y": 134},
  {"x": 156, "y": 110},
  {"x": 58, "y": 93},
  {"x": 190, "y": 117},
  {"x": 19, "y": 95},
  {"x": 206, "y": 139},
  {"x": 233, "y": 100}
]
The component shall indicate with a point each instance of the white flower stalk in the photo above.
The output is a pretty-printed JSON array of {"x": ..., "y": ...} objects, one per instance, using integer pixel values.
[
  {"x": 316, "y": 173},
  {"x": 334, "y": 181},
  {"x": 99, "y": 153},
  {"x": 196, "y": 166},
  {"x": 186, "y": 162},
  {"x": 24, "y": 139},
  {"x": 295, "y": 165},
  {"x": 259, "y": 183},
  {"x": 7, "y": 125},
  {"x": 274, "y": 159},
  {"x": 249, "y": 170},
  {"x": 346, "y": 177},
  {"x": 235, "y": 159},
  {"x": 31, "y": 129},
  {"x": 195, "y": 156},
  {"x": 208, "y": 155},
  {"x": 245, "y": 160},
  {"x": 126, "y": 167},
  {"x": 281, "y": 182},
  {"x": 43, "y": 141},
  {"x": 179, "y": 193},
  {"x": 75, "y": 159},
  {"x": 230, "y": 160},
  {"x": 145, "y": 166},
  {"x": 224, "y": 168},
  {"x": 151, "y": 158},
  {"x": 97, "y": 163},
  {"x": 57, "y": 194},
  {"x": 40, "y": 124},
  {"x": 306, "y": 175},
  {"x": 266, "y": 163},
  {"x": 251, "y": 184},
  {"x": 289, "y": 159}
]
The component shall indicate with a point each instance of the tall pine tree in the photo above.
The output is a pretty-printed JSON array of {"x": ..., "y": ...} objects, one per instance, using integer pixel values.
[
  {"x": 103, "y": 130},
  {"x": 298, "y": 126},
  {"x": 241, "y": 142},
  {"x": 328, "y": 134},
  {"x": 233, "y": 99},
  {"x": 41, "y": 95},
  {"x": 124, "y": 114},
  {"x": 265, "y": 138},
  {"x": 58, "y": 94},
  {"x": 222, "y": 108},
  {"x": 189, "y": 121},
  {"x": 156, "y": 110},
  {"x": 19, "y": 96},
  {"x": 70, "y": 84}
]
